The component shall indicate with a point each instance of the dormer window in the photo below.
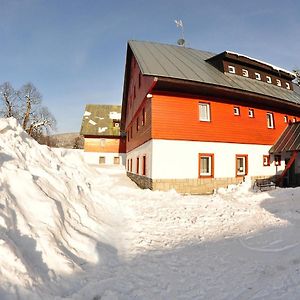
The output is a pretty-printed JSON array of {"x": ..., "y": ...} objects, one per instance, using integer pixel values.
[
  {"x": 269, "y": 79},
  {"x": 245, "y": 73},
  {"x": 257, "y": 76},
  {"x": 231, "y": 69},
  {"x": 278, "y": 82},
  {"x": 287, "y": 85}
]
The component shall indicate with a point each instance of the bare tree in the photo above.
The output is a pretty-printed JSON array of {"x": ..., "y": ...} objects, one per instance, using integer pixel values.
[{"x": 9, "y": 97}]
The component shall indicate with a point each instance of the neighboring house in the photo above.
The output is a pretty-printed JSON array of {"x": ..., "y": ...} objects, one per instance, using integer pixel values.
[
  {"x": 196, "y": 121},
  {"x": 103, "y": 143}
]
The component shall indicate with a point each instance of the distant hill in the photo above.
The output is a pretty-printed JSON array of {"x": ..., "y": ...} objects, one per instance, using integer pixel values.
[{"x": 72, "y": 140}]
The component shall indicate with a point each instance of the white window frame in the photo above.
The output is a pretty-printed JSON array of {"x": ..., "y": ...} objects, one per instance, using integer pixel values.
[
  {"x": 244, "y": 170},
  {"x": 278, "y": 82},
  {"x": 210, "y": 158},
  {"x": 236, "y": 111},
  {"x": 270, "y": 120},
  {"x": 231, "y": 69},
  {"x": 257, "y": 76},
  {"x": 201, "y": 116},
  {"x": 251, "y": 113},
  {"x": 269, "y": 79},
  {"x": 245, "y": 73},
  {"x": 286, "y": 119},
  {"x": 287, "y": 85}
]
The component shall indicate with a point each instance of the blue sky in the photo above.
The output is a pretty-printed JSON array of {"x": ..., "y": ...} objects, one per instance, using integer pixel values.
[{"x": 73, "y": 51}]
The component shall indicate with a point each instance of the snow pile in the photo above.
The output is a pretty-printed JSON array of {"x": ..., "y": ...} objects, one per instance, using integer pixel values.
[{"x": 72, "y": 231}]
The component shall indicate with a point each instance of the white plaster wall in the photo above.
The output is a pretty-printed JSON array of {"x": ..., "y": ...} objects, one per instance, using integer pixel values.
[
  {"x": 145, "y": 149},
  {"x": 93, "y": 157},
  {"x": 179, "y": 159}
]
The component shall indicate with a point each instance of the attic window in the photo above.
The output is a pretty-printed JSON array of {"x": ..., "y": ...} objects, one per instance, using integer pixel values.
[
  {"x": 231, "y": 69},
  {"x": 245, "y": 73},
  {"x": 257, "y": 76},
  {"x": 286, "y": 119},
  {"x": 278, "y": 82},
  {"x": 287, "y": 85},
  {"x": 269, "y": 79}
]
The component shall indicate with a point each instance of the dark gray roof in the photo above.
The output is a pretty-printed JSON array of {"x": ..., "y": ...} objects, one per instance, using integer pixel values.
[
  {"x": 177, "y": 62},
  {"x": 289, "y": 139},
  {"x": 99, "y": 120}
]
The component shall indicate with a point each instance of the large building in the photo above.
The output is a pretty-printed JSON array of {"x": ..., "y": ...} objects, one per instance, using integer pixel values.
[
  {"x": 196, "y": 121},
  {"x": 103, "y": 142}
]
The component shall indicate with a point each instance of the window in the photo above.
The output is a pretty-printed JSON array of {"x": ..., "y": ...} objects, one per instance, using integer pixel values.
[
  {"x": 294, "y": 120},
  {"x": 231, "y": 69},
  {"x": 266, "y": 160},
  {"x": 128, "y": 136},
  {"x": 286, "y": 119},
  {"x": 116, "y": 160},
  {"x": 101, "y": 160},
  {"x": 270, "y": 120},
  {"x": 127, "y": 165},
  {"x": 278, "y": 82},
  {"x": 131, "y": 132},
  {"x": 269, "y": 79},
  {"x": 206, "y": 165},
  {"x": 277, "y": 160},
  {"x": 131, "y": 165},
  {"x": 245, "y": 73},
  {"x": 257, "y": 76},
  {"x": 287, "y": 85},
  {"x": 241, "y": 164},
  {"x": 137, "y": 165},
  {"x": 204, "y": 112},
  {"x": 143, "y": 117},
  {"x": 236, "y": 111},
  {"x": 251, "y": 113},
  {"x": 144, "y": 165}
]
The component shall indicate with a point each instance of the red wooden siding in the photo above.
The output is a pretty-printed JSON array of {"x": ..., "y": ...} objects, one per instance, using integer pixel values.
[{"x": 177, "y": 118}]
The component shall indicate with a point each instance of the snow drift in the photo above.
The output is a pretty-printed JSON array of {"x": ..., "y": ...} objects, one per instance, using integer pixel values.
[{"x": 72, "y": 231}]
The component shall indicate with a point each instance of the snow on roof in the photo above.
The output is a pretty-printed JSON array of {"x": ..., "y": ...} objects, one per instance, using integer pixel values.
[{"x": 262, "y": 62}]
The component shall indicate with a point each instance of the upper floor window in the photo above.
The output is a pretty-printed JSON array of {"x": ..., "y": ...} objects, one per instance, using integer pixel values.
[
  {"x": 278, "y": 82},
  {"x": 270, "y": 120},
  {"x": 231, "y": 69},
  {"x": 287, "y": 85},
  {"x": 245, "y": 73},
  {"x": 236, "y": 110},
  {"x": 251, "y": 113},
  {"x": 269, "y": 79},
  {"x": 257, "y": 76},
  {"x": 204, "y": 112}
]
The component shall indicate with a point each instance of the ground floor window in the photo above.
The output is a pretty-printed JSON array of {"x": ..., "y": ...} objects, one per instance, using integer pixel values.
[
  {"x": 102, "y": 160},
  {"x": 266, "y": 160},
  {"x": 131, "y": 165},
  {"x": 144, "y": 165},
  {"x": 137, "y": 165},
  {"x": 277, "y": 159},
  {"x": 206, "y": 165},
  {"x": 241, "y": 164},
  {"x": 117, "y": 160}
]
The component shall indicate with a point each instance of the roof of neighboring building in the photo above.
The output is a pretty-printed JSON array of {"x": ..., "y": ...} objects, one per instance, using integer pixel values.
[
  {"x": 177, "y": 62},
  {"x": 100, "y": 120},
  {"x": 289, "y": 139}
]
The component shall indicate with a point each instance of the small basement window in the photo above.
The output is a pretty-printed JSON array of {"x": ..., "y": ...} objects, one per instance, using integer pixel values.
[
  {"x": 251, "y": 113},
  {"x": 269, "y": 79},
  {"x": 287, "y": 85},
  {"x": 278, "y": 82},
  {"x": 231, "y": 69},
  {"x": 204, "y": 112},
  {"x": 236, "y": 110},
  {"x": 270, "y": 120},
  {"x": 245, "y": 73},
  {"x": 257, "y": 76}
]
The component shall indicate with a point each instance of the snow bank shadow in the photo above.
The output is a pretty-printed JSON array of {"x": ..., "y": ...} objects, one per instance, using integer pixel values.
[{"x": 4, "y": 158}]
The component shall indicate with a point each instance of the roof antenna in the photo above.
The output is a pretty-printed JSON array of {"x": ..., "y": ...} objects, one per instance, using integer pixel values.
[{"x": 181, "y": 41}]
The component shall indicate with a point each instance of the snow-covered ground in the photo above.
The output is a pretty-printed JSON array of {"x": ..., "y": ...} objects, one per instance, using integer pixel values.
[{"x": 72, "y": 231}]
